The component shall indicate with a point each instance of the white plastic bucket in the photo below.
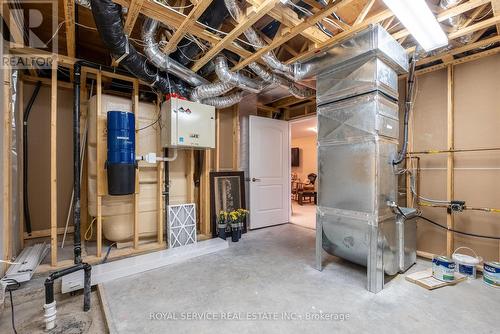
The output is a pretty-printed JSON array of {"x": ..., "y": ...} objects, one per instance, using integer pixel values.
[{"x": 466, "y": 264}]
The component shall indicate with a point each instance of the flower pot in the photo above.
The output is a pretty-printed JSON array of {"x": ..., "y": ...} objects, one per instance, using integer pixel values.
[
  {"x": 221, "y": 231},
  {"x": 240, "y": 228},
  {"x": 234, "y": 234}
]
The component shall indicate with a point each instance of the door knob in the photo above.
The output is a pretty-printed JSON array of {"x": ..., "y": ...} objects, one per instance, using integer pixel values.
[{"x": 255, "y": 180}]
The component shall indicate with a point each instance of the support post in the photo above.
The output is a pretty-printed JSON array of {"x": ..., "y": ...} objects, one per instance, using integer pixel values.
[
  {"x": 53, "y": 165},
  {"x": 99, "y": 165},
  {"x": 135, "y": 104},
  {"x": 450, "y": 161}
]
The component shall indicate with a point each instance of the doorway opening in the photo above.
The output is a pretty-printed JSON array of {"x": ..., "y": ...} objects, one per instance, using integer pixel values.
[{"x": 304, "y": 171}]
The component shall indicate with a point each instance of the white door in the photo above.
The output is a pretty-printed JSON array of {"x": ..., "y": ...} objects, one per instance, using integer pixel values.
[{"x": 269, "y": 172}]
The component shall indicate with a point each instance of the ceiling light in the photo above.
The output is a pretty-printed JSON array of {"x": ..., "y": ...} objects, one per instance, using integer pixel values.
[
  {"x": 313, "y": 129},
  {"x": 416, "y": 16}
]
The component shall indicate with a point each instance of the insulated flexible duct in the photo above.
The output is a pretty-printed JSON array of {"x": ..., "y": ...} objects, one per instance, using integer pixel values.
[
  {"x": 108, "y": 20},
  {"x": 224, "y": 101},
  {"x": 268, "y": 57},
  {"x": 107, "y": 16},
  {"x": 236, "y": 79},
  {"x": 455, "y": 21},
  {"x": 211, "y": 90},
  {"x": 164, "y": 62},
  {"x": 213, "y": 16},
  {"x": 297, "y": 91}
]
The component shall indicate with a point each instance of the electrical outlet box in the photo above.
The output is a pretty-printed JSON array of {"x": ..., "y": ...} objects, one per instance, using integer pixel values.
[{"x": 187, "y": 124}]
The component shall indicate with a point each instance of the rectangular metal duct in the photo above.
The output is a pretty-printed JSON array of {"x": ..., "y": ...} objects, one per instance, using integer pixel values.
[
  {"x": 372, "y": 42},
  {"x": 358, "y": 132}
]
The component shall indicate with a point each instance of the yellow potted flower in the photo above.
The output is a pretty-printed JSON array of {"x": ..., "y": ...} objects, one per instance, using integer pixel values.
[
  {"x": 222, "y": 224},
  {"x": 234, "y": 220}
]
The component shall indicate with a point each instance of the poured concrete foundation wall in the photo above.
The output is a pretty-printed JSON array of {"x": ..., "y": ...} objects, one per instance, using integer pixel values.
[{"x": 477, "y": 124}]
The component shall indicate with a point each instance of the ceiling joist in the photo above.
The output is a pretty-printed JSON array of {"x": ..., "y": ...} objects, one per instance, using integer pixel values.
[
  {"x": 133, "y": 12},
  {"x": 253, "y": 15},
  {"x": 312, "y": 20},
  {"x": 188, "y": 22}
]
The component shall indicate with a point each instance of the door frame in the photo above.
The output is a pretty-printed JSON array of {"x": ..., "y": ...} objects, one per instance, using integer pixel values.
[{"x": 290, "y": 122}]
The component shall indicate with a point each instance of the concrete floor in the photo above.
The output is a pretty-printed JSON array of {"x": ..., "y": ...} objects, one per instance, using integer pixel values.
[
  {"x": 269, "y": 272},
  {"x": 303, "y": 215}
]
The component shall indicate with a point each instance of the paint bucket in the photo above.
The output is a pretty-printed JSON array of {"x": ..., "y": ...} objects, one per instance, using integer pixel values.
[
  {"x": 466, "y": 264},
  {"x": 491, "y": 274},
  {"x": 443, "y": 268}
]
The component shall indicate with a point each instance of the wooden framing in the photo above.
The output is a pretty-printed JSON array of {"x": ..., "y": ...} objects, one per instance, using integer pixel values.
[
  {"x": 495, "y": 5},
  {"x": 205, "y": 194},
  {"x": 292, "y": 32},
  {"x": 100, "y": 162},
  {"x": 364, "y": 11},
  {"x": 53, "y": 165},
  {"x": 462, "y": 8},
  {"x": 175, "y": 19},
  {"x": 6, "y": 170},
  {"x": 133, "y": 12},
  {"x": 69, "y": 23},
  {"x": 135, "y": 108},
  {"x": 188, "y": 22},
  {"x": 450, "y": 165},
  {"x": 252, "y": 16}
]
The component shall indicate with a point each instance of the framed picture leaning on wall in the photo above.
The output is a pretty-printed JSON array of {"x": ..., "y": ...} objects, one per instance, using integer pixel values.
[{"x": 227, "y": 194}]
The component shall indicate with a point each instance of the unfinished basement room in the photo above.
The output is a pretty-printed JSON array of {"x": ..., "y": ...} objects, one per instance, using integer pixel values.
[{"x": 250, "y": 166}]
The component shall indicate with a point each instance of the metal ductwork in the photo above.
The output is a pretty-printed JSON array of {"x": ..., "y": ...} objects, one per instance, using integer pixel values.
[
  {"x": 108, "y": 20},
  {"x": 269, "y": 57},
  {"x": 224, "y": 101},
  {"x": 273, "y": 78},
  {"x": 211, "y": 90},
  {"x": 84, "y": 3},
  {"x": 213, "y": 16},
  {"x": 164, "y": 62},
  {"x": 235, "y": 78},
  {"x": 455, "y": 21}
]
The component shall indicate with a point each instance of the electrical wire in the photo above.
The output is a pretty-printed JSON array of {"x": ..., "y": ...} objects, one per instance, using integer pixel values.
[
  {"x": 412, "y": 187},
  {"x": 151, "y": 124},
  {"x": 482, "y": 17},
  {"x": 12, "y": 285},
  {"x": 459, "y": 232},
  {"x": 55, "y": 33},
  {"x": 165, "y": 4},
  {"x": 87, "y": 236},
  {"x": 107, "y": 253}
]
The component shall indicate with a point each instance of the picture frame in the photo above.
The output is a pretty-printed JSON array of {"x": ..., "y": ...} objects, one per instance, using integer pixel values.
[{"x": 228, "y": 194}]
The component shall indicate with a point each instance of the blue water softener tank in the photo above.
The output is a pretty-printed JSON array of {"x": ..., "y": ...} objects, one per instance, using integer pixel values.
[{"x": 121, "y": 163}]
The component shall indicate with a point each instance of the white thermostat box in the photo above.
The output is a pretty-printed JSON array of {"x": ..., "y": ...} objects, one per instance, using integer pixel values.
[{"x": 187, "y": 124}]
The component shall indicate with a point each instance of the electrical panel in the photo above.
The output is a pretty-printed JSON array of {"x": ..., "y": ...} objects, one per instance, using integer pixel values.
[{"x": 187, "y": 124}]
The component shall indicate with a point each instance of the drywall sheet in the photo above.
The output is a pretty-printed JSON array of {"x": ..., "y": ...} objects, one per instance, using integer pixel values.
[
  {"x": 39, "y": 156},
  {"x": 476, "y": 125}
]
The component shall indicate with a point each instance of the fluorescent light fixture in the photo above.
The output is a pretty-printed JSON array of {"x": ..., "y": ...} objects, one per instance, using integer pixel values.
[{"x": 416, "y": 16}]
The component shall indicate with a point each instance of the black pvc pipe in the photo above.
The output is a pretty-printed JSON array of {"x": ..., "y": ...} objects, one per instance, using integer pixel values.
[
  {"x": 408, "y": 106},
  {"x": 26, "y": 115},
  {"x": 49, "y": 283}
]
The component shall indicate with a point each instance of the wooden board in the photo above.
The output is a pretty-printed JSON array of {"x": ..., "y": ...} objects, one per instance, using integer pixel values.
[{"x": 424, "y": 279}]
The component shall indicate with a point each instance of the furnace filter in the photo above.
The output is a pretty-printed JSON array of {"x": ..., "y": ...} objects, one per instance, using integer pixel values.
[{"x": 121, "y": 162}]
